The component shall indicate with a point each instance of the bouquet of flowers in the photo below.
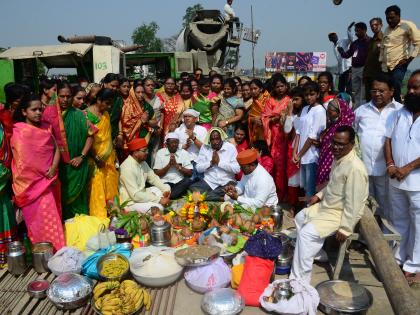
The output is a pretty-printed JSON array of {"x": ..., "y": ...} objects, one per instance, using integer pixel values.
[{"x": 194, "y": 206}]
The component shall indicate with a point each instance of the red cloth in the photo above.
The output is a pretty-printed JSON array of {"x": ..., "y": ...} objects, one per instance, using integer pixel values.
[
  {"x": 277, "y": 142},
  {"x": 267, "y": 162},
  {"x": 255, "y": 278}
]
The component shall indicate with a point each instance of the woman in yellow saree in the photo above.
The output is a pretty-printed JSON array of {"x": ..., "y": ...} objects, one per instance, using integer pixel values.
[{"x": 103, "y": 185}]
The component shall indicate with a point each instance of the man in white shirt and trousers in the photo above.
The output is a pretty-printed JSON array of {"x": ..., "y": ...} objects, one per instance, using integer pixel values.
[
  {"x": 173, "y": 166},
  {"x": 217, "y": 160},
  {"x": 402, "y": 154},
  {"x": 370, "y": 125},
  {"x": 191, "y": 138},
  {"x": 343, "y": 65},
  {"x": 256, "y": 187}
]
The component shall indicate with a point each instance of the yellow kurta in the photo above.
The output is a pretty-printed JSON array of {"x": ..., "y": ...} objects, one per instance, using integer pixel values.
[
  {"x": 133, "y": 180},
  {"x": 343, "y": 199},
  {"x": 104, "y": 181}
]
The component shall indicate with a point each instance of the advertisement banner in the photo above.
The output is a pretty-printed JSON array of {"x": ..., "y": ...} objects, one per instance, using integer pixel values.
[{"x": 296, "y": 61}]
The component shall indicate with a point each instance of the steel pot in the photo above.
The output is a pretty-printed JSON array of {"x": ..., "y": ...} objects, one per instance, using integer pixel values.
[
  {"x": 41, "y": 253},
  {"x": 16, "y": 263},
  {"x": 160, "y": 235}
]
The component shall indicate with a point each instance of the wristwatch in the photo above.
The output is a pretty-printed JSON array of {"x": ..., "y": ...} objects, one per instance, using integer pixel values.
[{"x": 82, "y": 156}]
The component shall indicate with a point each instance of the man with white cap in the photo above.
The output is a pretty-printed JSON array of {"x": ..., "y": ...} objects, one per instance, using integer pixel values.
[
  {"x": 256, "y": 187},
  {"x": 135, "y": 174},
  {"x": 173, "y": 166},
  {"x": 191, "y": 137}
]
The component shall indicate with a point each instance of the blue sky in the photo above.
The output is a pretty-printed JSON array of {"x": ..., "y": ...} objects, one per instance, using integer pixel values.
[{"x": 286, "y": 25}]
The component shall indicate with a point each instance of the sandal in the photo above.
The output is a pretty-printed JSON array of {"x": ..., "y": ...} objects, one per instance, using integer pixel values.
[{"x": 414, "y": 281}]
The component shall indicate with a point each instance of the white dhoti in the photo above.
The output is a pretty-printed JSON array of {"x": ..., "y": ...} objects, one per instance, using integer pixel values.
[
  {"x": 308, "y": 246},
  {"x": 379, "y": 189},
  {"x": 405, "y": 217},
  {"x": 143, "y": 207}
]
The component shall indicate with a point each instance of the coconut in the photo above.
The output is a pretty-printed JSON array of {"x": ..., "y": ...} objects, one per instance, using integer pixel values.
[
  {"x": 251, "y": 227},
  {"x": 186, "y": 232},
  {"x": 256, "y": 218},
  {"x": 265, "y": 211},
  {"x": 144, "y": 226},
  {"x": 234, "y": 239},
  {"x": 177, "y": 220},
  {"x": 154, "y": 211},
  {"x": 238, "y": 220},
  {"x": 228, "y": 208},
  {"x": 224, "y": 229},
  {"x": 247, "y": 225},
  {"x": 197, "y": 224},
  {"x": 175, "y": 239}
]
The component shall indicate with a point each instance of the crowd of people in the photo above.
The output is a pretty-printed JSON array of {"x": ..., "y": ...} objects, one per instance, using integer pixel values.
[{"x": 71, "y": 148}]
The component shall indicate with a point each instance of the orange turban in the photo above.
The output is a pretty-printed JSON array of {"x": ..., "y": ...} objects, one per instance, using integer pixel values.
[
  {"x": 136, "y": 144},
  {"x": 247, "y": 156}
]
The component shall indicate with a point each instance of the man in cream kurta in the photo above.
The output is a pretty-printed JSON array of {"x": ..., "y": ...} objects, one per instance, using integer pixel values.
[
  {"x": 335, "y": 209},
  {"x": 134, "y": 174}
]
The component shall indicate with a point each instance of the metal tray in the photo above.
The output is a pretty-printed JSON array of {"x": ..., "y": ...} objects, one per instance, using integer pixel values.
[
  {"x": 331, "y": 302},
  {"x": 187, "y": 257}
]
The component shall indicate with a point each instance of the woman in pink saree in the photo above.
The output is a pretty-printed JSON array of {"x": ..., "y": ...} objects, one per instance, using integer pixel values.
[
  {"x": 273, "y": 119},
  {"x": 34, "y": 169}
]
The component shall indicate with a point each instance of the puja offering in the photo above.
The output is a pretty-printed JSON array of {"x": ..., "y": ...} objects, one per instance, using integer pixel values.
[
  {"x": 143, "y": 264},
  {"x": 343, "y": 297},
  {"x": 70, "y": 291},
  {"x": 199, "y": 255},
  {"x": 112, "y": 266},
  {"x": 38, "y": 288},
  {"x": 113, "y": 297},
  {"x": 222, "y": 302}
]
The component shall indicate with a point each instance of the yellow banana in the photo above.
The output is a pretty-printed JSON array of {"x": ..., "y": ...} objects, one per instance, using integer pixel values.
[
  {"x": 147, "y": 299},
  {"x": 98, "y": 303},
  {"x": 138, "y": 304},
  {"x": 110, "y": 308}
]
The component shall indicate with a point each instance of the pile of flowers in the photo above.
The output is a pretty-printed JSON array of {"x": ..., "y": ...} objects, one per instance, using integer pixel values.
[{"x": 194, "y": 205}]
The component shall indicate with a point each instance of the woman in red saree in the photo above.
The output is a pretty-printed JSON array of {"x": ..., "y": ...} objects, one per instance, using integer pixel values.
[
  {"x": 34, "y": 169},
  {"x": 273, "y": 119},
  {"x": 255, "y": 126}
]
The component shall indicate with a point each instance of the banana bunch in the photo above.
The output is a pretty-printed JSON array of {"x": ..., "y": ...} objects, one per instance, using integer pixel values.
[{"x": 114, "y": 298}]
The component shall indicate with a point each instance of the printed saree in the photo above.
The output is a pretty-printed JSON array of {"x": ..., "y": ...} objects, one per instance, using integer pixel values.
[
  {"x": 52, "y": 115},
  {"x": 277, "y": 142},
  {"x": 103, "y": 184},
  {"x": 256, "y": 131},
  {"x": 33, "y": 151}
]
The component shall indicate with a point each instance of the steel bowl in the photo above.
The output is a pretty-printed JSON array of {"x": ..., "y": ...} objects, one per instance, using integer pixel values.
[
  {"x": 70, "y": 291},
  {"x": 108, "y": 257},
  {"x": 38, "y": 288},
  {"x": 222, "y": 302},
  {"x": 154, "y": 282},
  {"x": 332, "y": 302},
  {"x": 188, "y": 257}
]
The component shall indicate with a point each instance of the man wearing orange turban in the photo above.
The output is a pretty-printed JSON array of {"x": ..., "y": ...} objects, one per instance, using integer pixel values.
[
  {"x": 256, "y": 188},
  {"x": 134, "y": 174}
]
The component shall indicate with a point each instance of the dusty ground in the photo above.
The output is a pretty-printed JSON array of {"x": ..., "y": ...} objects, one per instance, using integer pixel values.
[{"x": 357, "y": 267}]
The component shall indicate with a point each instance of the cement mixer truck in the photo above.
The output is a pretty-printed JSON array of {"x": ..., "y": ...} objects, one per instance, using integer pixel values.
[{"x": 208, "y": 42}]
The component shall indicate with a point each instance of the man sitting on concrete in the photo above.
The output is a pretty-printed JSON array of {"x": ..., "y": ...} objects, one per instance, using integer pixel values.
[
  {"x": 134, "y": 174},
  {"x": 217, "y": 160},
  {"x": 173, "y": 166},
  {"x": 335, "y": 209},
  {"x": 256, "y": 187}
]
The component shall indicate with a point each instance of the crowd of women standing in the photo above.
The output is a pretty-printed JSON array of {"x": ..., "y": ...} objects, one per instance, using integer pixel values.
[{"x": 61, "y": 149}]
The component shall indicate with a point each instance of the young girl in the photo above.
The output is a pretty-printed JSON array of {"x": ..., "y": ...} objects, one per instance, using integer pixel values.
[
  {"x": 291, "y": 124},
  {"x": 202, "y": 103},
  {"x": 34, "y": 169},
  {"x": 78, "y": 97},
  {"x": 313, "y": 121}
]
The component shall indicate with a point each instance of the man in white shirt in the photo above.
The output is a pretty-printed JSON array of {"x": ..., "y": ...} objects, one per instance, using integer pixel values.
[
  {"x": 191, "y": 137},
  {"x": 229, "y": 13},
  {"x": 402, "y": 155},
  {"x": 217, "y": 160},
  {"x": 370, "y": 125},
  {"x": 256, "y": 187},
  {"x": 173, "y": 166},
  {"x": 343, "y": 65},
  {"x": 134, "y": 174}
]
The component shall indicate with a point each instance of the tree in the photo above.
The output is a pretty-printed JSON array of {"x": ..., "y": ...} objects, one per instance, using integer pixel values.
[
  {"x": 145, "y": 35},
  {"x": 190, "y": 14},
  {"x": 169, "y": 44}
]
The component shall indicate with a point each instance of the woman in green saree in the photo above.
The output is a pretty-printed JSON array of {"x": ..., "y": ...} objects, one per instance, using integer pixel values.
[{"x": 74, "y": 176}]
